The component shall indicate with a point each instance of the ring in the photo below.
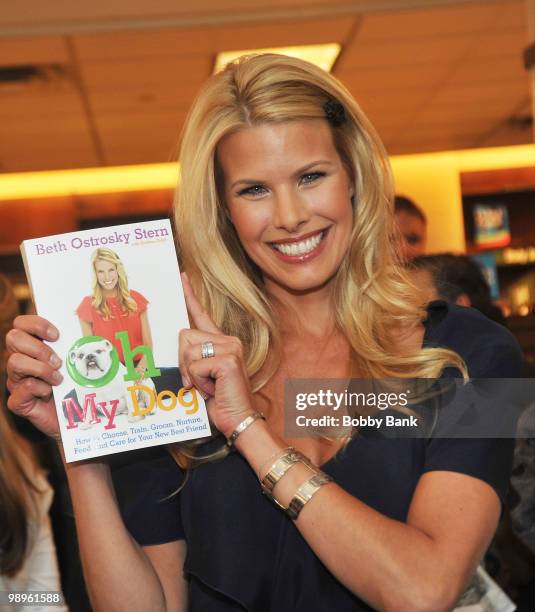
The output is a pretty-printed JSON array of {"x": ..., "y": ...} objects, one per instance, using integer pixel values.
[{"x": 207, "y": 349}]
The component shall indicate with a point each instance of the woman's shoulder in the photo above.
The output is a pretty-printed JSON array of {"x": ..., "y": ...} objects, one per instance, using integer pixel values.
[
  {"x": 86, "y": 303},
  {"x": 86, "y": 311},
  {"x": 450, "y": 322},
  {"x": 139, "y": 298},
  {"x": 445, "y": 317},
  {"x": 488, "y": 348}
]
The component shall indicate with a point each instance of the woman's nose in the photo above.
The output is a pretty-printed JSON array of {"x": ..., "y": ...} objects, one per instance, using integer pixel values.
[{"x": 290, "y": 211}]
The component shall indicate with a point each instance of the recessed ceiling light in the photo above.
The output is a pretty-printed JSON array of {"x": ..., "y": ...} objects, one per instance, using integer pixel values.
[{"x": 323, "y": 56}]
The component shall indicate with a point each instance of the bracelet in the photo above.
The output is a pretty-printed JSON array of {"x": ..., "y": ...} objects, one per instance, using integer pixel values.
[
  {"x": 305, "y": 493},
  {"x": 56, "y": 437},
  {"x": 277, "y": 471},
  {"x": 277, "y": 454},
  {"x": 241, "y": 427}
]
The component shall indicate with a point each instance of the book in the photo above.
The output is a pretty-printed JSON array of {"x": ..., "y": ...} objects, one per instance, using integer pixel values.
[
  {"x": 115, "y": 296},
  {"x": 483, "y": 594}
]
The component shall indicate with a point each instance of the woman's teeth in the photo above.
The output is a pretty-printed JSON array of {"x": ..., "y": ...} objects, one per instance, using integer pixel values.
[{"x": 299, "y": 248}]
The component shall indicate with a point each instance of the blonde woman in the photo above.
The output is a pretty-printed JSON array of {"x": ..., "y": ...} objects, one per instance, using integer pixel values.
[
  {"x": 113, "y": 307},
  {"x": 285, "y": 228},
  {"x": 27, "y": 552}
]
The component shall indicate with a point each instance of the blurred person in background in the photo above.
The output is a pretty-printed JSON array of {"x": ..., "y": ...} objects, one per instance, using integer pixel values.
[
  {"x": 511, "y": 560},
  {"x": 411, "y": 223},
  {"x": 456, "y": 279},
  {"x": 27, "y": 553},
  {"x": 34, "y": 449},
  {"x": 8, "y": 311}
]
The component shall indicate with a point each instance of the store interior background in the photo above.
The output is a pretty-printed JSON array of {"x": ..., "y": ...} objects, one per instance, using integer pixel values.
[{"x": 93, "y": 97}]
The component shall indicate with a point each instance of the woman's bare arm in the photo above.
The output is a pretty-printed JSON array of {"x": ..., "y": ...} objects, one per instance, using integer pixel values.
[
  {"x": 164, "y": 559},
  {"x": 146, "y": 338},
  {"x": 87, "y": 328},
  {"x": 118, "y": 573},
  {"x": 146, "y": 334},
  {"x": 418, "y": 566}
]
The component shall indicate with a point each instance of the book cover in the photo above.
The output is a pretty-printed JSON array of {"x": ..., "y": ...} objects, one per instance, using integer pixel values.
[{"x": 115, "y": 295}]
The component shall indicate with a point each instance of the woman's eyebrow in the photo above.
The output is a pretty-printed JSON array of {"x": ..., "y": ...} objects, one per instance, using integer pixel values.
[
  {"x": 246, "y": 182},
  {"x": 296, "y": 173},
  {"x": 311, "y": 165}
]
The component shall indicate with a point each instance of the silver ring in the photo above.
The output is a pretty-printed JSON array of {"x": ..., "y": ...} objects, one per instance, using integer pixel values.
[{"x": 207, "y": 349}]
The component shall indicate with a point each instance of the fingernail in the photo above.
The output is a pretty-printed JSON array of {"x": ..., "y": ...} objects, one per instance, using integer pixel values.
[
  {"x": 57, "y": 377},
  {"x": 52, "y": 333},
  {"x": 54, "y": 361},
  {"x": 186, "y": 381}
]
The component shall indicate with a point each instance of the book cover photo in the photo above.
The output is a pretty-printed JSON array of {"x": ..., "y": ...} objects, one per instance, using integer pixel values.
[{"x": 115, "y": 295}]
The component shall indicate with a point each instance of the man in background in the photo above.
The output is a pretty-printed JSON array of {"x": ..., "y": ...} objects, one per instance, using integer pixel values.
[
  {"x": 412, "y": 225},
  {"x": 457, "y": 279}
]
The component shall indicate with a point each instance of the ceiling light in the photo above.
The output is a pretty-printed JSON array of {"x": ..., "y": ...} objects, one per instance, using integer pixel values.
[
  {"x": 113, "y": 179},
  {"x": 323, "y": 56},
  {"x": 54, "y": 183}
]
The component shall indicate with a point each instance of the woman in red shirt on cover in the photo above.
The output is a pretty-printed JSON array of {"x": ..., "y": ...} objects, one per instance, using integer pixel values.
[{"x": 113, "y": 307}]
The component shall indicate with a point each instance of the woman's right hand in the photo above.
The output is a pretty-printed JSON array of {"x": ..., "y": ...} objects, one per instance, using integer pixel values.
[{"x": 32, "y": 369}]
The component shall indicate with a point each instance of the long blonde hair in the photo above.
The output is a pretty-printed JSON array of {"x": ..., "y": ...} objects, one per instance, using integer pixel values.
[
  {"x": 126, "y": 301},
  {"x": 373, "y": 297}
]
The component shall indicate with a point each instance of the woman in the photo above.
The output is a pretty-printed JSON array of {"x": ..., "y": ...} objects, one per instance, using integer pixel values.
[
  {"x": 9, "y": 309},
  {"x": 287, "y": 183},
  {"x": 27, "y": 552},
  {"x": 114, "y": 307}
]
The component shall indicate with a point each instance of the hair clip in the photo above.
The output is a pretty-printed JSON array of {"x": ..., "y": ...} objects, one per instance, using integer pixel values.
[{"x": 334, "y": 112}]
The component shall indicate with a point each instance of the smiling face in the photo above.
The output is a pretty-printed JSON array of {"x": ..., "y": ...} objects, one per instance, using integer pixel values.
[
  {"x": 107, "y": 276},
  {"x": 289, "y": 199}
]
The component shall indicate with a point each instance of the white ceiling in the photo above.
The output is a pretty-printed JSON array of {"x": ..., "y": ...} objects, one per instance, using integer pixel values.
[{"x": 430, "y": 78}]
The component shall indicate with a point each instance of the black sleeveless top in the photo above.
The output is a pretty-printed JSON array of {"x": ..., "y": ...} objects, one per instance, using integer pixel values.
[{"x": 245, "y": 554}]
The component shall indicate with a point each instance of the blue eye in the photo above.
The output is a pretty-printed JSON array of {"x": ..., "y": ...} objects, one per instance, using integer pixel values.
[
  {"x": 254, "y": 190},
  {"x": 311, "y": 177}
]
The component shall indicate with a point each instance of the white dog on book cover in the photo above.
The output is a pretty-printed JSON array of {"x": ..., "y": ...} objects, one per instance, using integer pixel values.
[{"x": 93, "y": 361}]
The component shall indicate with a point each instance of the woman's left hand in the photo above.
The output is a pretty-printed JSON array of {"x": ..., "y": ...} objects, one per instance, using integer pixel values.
[{"x": 223, "y": 378}]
